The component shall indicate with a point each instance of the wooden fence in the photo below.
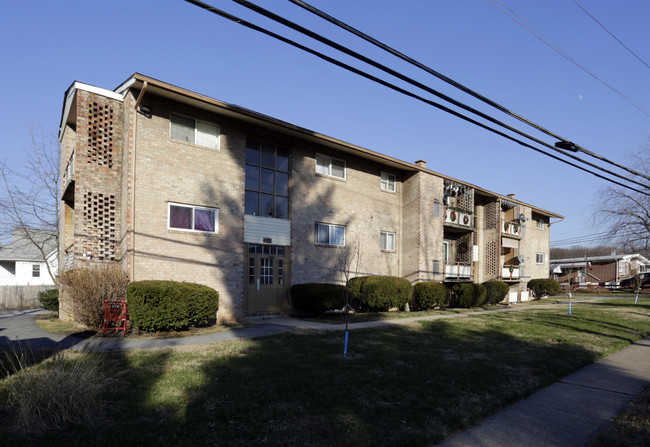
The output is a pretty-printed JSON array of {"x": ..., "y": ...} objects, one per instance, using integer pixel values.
[{"x": 16, "y": 297}]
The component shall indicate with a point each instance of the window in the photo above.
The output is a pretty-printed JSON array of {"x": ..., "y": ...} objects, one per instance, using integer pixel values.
[
  {"x": 445, "y": 251},
  {"x": 36, "y": 271},
  {"x": 436, "y": 267},
  {"x": 329, "y": 166},
  {"x": 521, "y": 271},
  {"x": 194, "y": 131},
  {"x": 539, "y": 258},
  {"x": 436, "y": 208},
  {"x": 267, "y": 180},
  {"x": 540, "y": 224},
  {"x": 329, "y": 234},
  {"x": 387, "y": 182},
  {"x": 193, "y": 218},
  {"x": 387, "y": 241}
]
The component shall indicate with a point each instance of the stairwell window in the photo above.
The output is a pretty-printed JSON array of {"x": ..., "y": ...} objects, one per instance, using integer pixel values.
[
  {"x": 193, "y": 218},
  {"x": 539, "y": 258},
  {"x": 328, "y": 234},
  {"x": 194, "y": 131},
  {"x": 387, "y": 182},
  {"x": 387, "y": 241},
  {"x": 331, "y": 167}
]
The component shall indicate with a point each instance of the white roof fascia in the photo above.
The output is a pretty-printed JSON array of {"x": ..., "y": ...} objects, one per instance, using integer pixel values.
[{"x": 86, "y": 87}]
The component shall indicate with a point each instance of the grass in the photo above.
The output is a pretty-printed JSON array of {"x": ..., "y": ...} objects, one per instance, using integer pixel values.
[
  {"x": 409, "y": 385},
  {"x": 631, "y": 428}
]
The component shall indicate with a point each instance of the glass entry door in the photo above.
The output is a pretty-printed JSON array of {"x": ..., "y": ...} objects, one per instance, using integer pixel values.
[{"x": 267, "y": 279}]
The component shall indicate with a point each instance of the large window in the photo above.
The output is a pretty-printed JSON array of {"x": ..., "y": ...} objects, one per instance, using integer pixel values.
[
  {"x": 387, "y": 182},
  {"x": 539, "y": 258},
  {"x": 387, "y": 240},
  {"x": 329, "y": 234},
  {"x": 193, "y": 218},
  {"x": 267, "y": 180},
  {"x": 329, "y": 166},
  {"x": 193, "y": 131}
]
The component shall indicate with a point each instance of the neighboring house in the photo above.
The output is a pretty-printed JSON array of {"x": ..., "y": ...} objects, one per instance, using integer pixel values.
[
  {"x": 175, "y": 185},
  {"x": 599, "y": 270},
  {"x": 22, "y": 263}
]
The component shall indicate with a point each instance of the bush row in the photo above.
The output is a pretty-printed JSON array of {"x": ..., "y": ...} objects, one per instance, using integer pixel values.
[
  {"x": 381, "y": 293},
  {"x": 170, "y": 305}
]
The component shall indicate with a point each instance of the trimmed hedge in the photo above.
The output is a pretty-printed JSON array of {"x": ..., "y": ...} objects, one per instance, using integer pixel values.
[
  {"x": 468, "y": 295},
  {"x": 496, "y": 291},
  {"x": 544, "y": 287},
  {"x": 49, "y": 299},
  {"x": 170, "y": 305},
  {"x": 316, "y": 298},
  {"x": 429, "y": 294},
  {"x": 380, "y": 293}
]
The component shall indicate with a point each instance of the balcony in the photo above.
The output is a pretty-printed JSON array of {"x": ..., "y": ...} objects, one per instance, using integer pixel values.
[
  {"x": 459, "y": 219},
  {"x": 458, "y": 271},
  {"x": 510, "y": 273},
  {"x": 511, "y": 228},
  {"x": 68, "y": 180}
]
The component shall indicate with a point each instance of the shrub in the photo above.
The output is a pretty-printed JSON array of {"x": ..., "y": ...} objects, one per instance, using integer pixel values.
[
  {"x": 468, "y": 295},
  {"x": 49, "y": 299},
  {"x": 316, "y": 298},
  {"x": 428, "y": 295},
  {"x": 496, "y": 291},
  {"x": 170, "y": 305},
  {"x": 87, "y": 288},
  {"x": 63, "y": 391},
  {"x": 380, "y": 293},
  {"x": 543, "y": 287}
]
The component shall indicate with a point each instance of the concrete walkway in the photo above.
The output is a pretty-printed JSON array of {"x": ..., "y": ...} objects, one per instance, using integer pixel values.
[{"x": 567, "y": 413}]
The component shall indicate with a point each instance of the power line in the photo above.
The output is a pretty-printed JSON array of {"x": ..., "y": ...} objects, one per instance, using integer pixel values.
[
  {"x": 359, "y": 72},
  {"x": 456, "y": 84},
  {"x": 612, "y": 34},
  {"x": 531, "y": 29}
]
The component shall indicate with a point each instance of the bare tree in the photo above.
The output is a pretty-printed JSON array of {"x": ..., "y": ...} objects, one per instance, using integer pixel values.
[
  {"x": 349, "y": 259},
  {"x": 627, "y": 213},
  {"x": 29, "y": 195}
]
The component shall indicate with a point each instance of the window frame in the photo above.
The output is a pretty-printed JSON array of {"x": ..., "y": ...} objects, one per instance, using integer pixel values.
[
  {"x": 193, "y": 208},
  {"x": 36, "y": 270},
  {"x": 196, "y": 130},
  {"x": 537, "y": 257},
  {"x": 278, "y": 196},
  {"x": 437, "y": 209},
  {"x": 329, "y": 234},
  {"x": 394, "y": 240},
  {"x": 387, "y": 181},
  {"x": 540, "y": 224},
  {"x": 329, "y": 167}
]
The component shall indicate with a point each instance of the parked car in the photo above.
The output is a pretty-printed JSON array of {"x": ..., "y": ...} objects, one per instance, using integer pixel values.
[{"x": 629, "y": 283}]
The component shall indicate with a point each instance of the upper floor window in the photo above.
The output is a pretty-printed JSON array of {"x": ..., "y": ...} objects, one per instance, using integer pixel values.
[
  {"x": 329, "y": 166},
  {"x": 387, "y": 182},
  {"x": 194, "y": 131},
  {"x": 436, "y": 208},
  {"x": 540, "y": 223},
  {"x": 329, "y": 234},
  {"x": 267, "y": 180},
  {"x": 193, "y": 218},
  {"x": 387, "y": 241},
  {"x": 36, "y": 271},
  {"x": 539, "y": 258}
]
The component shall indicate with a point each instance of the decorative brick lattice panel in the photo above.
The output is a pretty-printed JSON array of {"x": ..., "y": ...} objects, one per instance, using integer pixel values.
[
  {"x": 491, "y": 264},
  {"x": 491, "y": 215},
  {"x": 464, "y": 248},
  {"x": 100, "y": 134},
  {"x": 99, "y": 225},
  {"x": 466, "y": 200}
]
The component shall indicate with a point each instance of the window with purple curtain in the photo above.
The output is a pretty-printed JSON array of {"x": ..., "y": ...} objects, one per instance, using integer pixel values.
[
  {"x": 204, "y": 220},
  {"x": 187, "y": 217}
]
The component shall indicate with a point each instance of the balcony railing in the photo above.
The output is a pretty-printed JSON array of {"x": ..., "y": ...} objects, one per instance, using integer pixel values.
[
  {"x": 458, "y": 270},
  {"x": 68, "y": 174},
  {"x": 510, "y": 272},
  {"x": 458, "y": 218},
  {"x": 512, "y": 228}
]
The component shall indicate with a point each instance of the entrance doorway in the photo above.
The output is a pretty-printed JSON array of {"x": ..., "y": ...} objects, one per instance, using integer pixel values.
[{"x": 267, "y": 279}]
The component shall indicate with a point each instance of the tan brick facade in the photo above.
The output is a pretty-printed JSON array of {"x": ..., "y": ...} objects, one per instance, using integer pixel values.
[{"x": 117, "y": 206}]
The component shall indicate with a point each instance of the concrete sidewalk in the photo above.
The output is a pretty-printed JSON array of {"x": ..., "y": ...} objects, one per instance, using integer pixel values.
[{"x": 567, "y": 413}]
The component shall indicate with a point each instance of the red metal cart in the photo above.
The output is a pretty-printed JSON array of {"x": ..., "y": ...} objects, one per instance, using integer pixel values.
[{"x": 115, "y": 316}]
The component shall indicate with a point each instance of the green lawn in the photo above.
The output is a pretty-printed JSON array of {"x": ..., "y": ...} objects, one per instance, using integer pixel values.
[{"x": 410, "y": 385}]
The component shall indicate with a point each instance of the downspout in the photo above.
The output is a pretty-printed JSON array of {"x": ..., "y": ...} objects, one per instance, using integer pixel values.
[{"x": 133, "y": 178}]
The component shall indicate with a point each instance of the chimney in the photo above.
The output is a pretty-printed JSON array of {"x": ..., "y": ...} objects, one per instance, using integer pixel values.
[
  {"x": 512, "y": 196},
  {"x": 421, "y": 164}
]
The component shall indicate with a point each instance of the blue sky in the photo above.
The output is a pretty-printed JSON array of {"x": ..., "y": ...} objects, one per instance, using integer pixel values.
[{"x": 47, "y": 45}]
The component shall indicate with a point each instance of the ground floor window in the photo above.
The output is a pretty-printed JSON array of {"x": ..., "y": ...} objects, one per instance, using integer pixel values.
[
  {"x": 329, "y": 234},
  {"x": 387, "y": 241},
  {"x": 193, "y": 218}
]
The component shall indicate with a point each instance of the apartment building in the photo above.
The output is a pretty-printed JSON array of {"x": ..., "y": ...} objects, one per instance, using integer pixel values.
[{"x": 172, "y": 184}]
